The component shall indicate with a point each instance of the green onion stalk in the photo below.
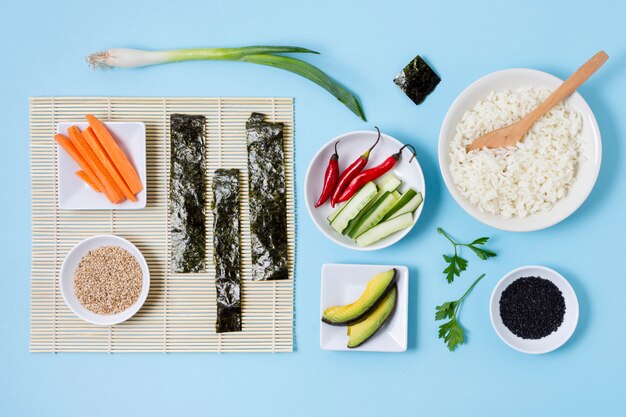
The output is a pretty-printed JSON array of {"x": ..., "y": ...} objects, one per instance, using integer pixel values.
[{"x": 262, "y": 55}]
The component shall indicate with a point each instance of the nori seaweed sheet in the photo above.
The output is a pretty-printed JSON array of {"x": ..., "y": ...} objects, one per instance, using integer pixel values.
[
  {"x": 417, "y": 80},
  {"x": 226, "y": 249},
  {"x": 268, "y": 198},
  {"x": 187, "y": 193}
]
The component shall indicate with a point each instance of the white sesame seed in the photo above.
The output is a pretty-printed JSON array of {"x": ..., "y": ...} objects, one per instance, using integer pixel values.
[{"x": 108, "y": 280}]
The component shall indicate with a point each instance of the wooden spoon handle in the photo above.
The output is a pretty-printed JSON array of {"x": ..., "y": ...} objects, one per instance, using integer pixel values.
[{"x": 570, "y": 85}]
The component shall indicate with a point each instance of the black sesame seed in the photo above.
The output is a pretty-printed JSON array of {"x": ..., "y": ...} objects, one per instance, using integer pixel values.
[{"x": 532, "y": 307}]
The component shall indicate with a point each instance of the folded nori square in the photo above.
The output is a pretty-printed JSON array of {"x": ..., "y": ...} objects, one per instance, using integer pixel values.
[
  {"x": 417, "y": 80},
  {"x": 187, "y": 193},
  {"x": 226, "y": 249},
  {"x": 268, "y": 198}
]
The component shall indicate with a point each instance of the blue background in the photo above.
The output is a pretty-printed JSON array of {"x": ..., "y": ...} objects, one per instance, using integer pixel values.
[{"x": 363, "y": 44}]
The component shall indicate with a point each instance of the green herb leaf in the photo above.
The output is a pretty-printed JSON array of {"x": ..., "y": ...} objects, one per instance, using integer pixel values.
[
  {"x": 457, "y": 264},
  {"x": 461, "y": 263},
  {"x": 445, "y": 311},
  {"x": 483, "y": 254},
  {"x": 480, "y": 241},
  {"x": 452, "y": 332}
]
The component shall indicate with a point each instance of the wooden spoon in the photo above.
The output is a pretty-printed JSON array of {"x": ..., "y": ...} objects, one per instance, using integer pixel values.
[{"x": 510, "y": 135}]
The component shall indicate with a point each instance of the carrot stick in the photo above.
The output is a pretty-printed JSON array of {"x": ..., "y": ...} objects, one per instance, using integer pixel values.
[
  {"x": 104, "y": 159},
  {"x": 109, "y": 188},
  {"x": 87, "y": 180},
  {"x": 119, "y": 159},
  {"x": 71, "y": 150}
]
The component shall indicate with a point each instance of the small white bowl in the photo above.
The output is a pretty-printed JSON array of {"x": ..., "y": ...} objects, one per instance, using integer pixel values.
[
  {"x": 350, "y": 147},
  {"x": 553, "y": 340},
  {"x": 588, "y": 166},
  {"x": 70, "y": 264},
  {"x": 74, "y": 194}
]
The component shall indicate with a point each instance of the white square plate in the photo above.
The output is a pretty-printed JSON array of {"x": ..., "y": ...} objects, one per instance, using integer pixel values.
[
  {"x": 74, "y": 194},
  {"x": 342, "y": 284}
]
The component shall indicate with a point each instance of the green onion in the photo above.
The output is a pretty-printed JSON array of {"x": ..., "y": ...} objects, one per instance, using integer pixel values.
[
  {"x": 312, "y": 73},
  {"x": 262, "y": 55}
]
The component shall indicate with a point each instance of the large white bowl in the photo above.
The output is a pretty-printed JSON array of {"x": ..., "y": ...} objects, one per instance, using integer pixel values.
[
  {"x": 552, "y": 341},
  {"x": 70, "y": 264},
  {"x": 588, "y": 167},
  {"x": 351, "y": 145}
]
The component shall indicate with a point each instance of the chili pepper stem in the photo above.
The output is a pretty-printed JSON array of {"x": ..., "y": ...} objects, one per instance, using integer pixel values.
[
  {"x": 366, "y": 155},
  {"x": 408, "y": 145}
]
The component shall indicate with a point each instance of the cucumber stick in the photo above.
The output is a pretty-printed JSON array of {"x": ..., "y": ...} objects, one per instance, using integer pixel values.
[
  {"x": 406, "y": 197},
  {"x": 384, "y": 229},
  {"x": 374, "y": 215},
  {"x": 334, "y": 214},
  {"x": 387, "y": 182},
  {"x": 352, "y": 224},
  {"x": 409, "y": 207},
  {"x": 351, "y": 209},
  {"x": 397, "y": 194}
]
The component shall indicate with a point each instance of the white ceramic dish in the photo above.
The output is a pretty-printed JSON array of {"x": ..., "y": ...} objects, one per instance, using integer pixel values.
[
  {"x": 70, "y": 264},
  {"x": 351, "y": 146},
  {"x": 74, "y": 194},
  {"x": 550, "y": 342},
  {"x": 342, "y": 284},
  {"x": 589, "y": 165}
]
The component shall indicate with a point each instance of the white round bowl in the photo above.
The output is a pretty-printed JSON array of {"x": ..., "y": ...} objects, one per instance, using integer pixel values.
[
  {"x": 70, "y": 264},
  {"x": 350, "y": 147},
  {"x": 588, "y": 167},
  {"x": 553, "y": 340}
]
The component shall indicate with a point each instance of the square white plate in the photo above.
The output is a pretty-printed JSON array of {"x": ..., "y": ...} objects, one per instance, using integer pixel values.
[
  {"x": 344, "y": 283},
  {"x": 74, "y": 194}
]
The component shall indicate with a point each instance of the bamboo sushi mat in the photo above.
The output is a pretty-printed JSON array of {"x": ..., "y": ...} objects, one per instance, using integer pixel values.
[{"x": 179, "y": 314}]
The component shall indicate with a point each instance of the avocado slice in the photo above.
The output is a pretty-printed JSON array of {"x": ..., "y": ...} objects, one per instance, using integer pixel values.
[
  {"x": 361, "y": 332},
  {"x": 352, "y": 313}
]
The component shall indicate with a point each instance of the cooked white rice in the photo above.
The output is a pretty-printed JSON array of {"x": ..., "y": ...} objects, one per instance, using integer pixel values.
[{"x": 523, "y": 180}]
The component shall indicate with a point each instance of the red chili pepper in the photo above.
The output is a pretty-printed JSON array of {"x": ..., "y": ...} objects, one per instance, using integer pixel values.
[
  {"x": 330, "y": 178},
  {"x": 372, "y": 173},
  {"x": 352, "y": 171}
]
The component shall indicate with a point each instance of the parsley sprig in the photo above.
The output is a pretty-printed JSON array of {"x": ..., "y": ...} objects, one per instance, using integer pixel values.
[
  {"x": 451, "y": 331},
  {"x": 458, "y": 264}
]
